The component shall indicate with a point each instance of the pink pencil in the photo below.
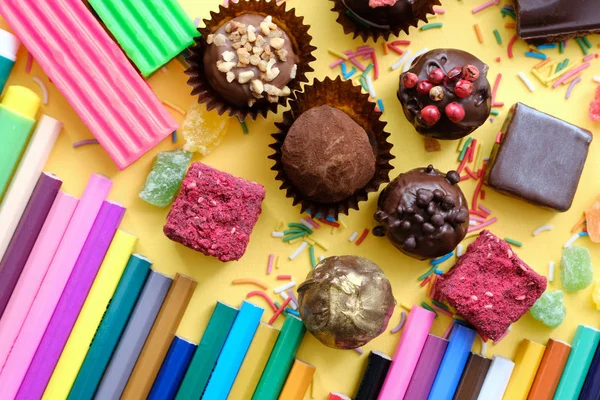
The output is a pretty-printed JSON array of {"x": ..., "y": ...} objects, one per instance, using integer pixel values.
[
  {"x": 93, "y": 74},
  {"x": 34, "y": 271},
  {"x": 407, "y": 354},
  {"x": 56, "y": 278}
]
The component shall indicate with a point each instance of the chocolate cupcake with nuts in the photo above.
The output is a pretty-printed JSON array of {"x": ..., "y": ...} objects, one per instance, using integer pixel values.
[
  {"x": 423, "y": 212},
  {"x": 251, "y": 57},
  {"x": 331, "y": 149},
  {"x": 445, "y": 94},
  {"x": 376, "y": 18}
]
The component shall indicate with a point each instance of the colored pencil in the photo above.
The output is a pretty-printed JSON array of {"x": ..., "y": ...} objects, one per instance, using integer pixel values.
[
  {"x": 207, "y": 353},
  {"x": 527, "y": 361},
  {"x": 97, "y": 330},
  {"x": 427, "y": 368},
  {"x": 17, "y": 252},
  {"x": 411, "y": 343},
  {"x": 234, "y": 350},
  {"x": 298, "y": 381},
  {"x": 72, "y": 299},
  {"x": 472, "y": 377},
  {"x": 452, "y": 365},
  {"x": 578, "y": 364},
  {"x": 160, "y": 337},
  {"x": 70, "y": 309},
  {"x": 375, "y": 372},
  {"x": 26, "y": 177},
  {"x": 551, "y": 368},
  {"x": 52, "y": 287},
  {"x": 497, "y": 378},
  {"x": 134, "y": 336},
  {"x": 281, "y": 359},
  {"x": 254, "y": 362},
  {"x": 591, "y": 387},
  {"x": 34, "y": 271},
  {"x": 172, "y": 370}
]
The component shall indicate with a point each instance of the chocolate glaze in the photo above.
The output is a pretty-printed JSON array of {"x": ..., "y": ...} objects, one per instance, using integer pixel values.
[
  {"x": 403, "y": 13},
  {"x": 550, "y": 21},
  {"x": 327, "y": 155},
  {"x": 233, "y": 92},
  {"x": 477, "y": 106},
  {"x": 423, "y": 212}
]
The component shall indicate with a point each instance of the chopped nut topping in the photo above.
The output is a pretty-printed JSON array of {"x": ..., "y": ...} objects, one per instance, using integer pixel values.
[
  {"x": 210, "y": 39},
  {"x": 293, "y": 71},
  {"x": 277, "y": 43},
  {"x": 228, "y": 56},
  {"x": 282, "y": 54},
  {"x": 262, "y": 65},
  {"x": 254, "y": 59},
  {"x": 245, "y": 76},
  {"x": 225, "y": 66},
  {"x": 251, "y": 33},
  {"x": 220, "y": 40},
  {"x": 230, "y": 77},
  {"x": 264, "y": 28},
  {"x": 257, "y": 86}
]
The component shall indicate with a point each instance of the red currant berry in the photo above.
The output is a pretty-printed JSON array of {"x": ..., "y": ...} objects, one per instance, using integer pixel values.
[
  {"x": 463, "y": 89},
  {"x": 455, "y": 112},
  {"x": 431, "y": 115},
  {"x": 410, "y": 80},
  {"x": 437, "y": 76},
  {"x": 424, "y": 87}
]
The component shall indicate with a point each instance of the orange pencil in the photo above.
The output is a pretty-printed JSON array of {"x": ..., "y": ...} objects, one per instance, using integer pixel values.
[
  {"x": 298, "y": 381},
  {"x": 551, "y": 368}
]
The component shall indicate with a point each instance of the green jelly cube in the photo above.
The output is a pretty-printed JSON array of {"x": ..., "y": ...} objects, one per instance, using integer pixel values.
[
  {"x": 165, "y": 178},
  {"x": 549, "y": 309},
  {"x": 576, "y": 271}
]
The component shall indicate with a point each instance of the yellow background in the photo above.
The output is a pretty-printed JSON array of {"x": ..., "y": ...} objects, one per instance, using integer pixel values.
[{"x": 246, "y": 156}]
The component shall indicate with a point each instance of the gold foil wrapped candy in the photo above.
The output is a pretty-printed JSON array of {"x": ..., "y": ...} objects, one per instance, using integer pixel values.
[{"x": 346, "y": 301}]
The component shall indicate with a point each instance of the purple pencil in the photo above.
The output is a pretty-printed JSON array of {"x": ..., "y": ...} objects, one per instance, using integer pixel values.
[
  {"x": 25, "y": 235},
  {"x": 72, "y": 299},
  {"x": 427, "y": 367}
]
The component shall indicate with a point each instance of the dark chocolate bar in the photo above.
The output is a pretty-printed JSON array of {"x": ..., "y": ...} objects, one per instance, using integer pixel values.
[
  {"x": 540, "y": 158},
  {"x": 549, "y": 21}
]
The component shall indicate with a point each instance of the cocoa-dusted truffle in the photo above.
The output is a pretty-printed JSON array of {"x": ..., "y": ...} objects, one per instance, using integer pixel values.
[
  {"x": 423, "y": 212},
  {"x": 445, "y": 94},
  {"x": 374, "y": 18},
  {"x": 346, "y": 301},
  {"x": 250, "y": 59},
  {"x": 327, "y": 155}
]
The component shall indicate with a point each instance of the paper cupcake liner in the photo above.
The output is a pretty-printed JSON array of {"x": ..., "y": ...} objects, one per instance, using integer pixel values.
[
  {"x": 348, "y": 98},
  {"x": 287, "y": 21},
  {"x": 352, "y": 24}
]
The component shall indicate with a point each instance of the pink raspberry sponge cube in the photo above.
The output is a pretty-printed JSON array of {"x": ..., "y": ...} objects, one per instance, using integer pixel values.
[
  {"x": 490, "y": 286},
  {"x": 214, "y": 212}
]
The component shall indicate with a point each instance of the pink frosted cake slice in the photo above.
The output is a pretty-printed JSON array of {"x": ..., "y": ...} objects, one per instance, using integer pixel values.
[
  {"x": 490, "y": 286},
  {"x": 215, "y": 212}
]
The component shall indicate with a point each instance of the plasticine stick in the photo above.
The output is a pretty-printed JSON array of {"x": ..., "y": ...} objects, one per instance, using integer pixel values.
[
  {"x": 497, "y": 378},
  {"x": 411, "y": 343},
  {"x": 551, "y": 368},
  {"x": 134, "y": 336},
  {"x": 207, "y": 353},
  {"x": 52, "y": 287},
  {"x": 27, "y": 231},
  {"x": 527, "y": 361},
  {"x": 160, "y": 337},
  {"x": 298, "y": 381},
  {"x": 87, "y": 369},
  {"x": 172, "y": 370},
  {"x": 234, "y": 350},
  {"x": 34, "y": 272}
]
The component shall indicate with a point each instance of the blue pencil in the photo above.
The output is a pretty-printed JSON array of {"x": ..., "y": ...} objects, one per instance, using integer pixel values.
[
  {"x": 172, "y": 370},
  {"x": 233, "y": 353},
  {"x": 453, "y": 363}
]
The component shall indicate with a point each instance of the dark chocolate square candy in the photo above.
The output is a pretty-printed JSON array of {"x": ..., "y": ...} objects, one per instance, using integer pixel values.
[
  {"x": 550, "y": 21},
  {"x": 540, "y": 158}
]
